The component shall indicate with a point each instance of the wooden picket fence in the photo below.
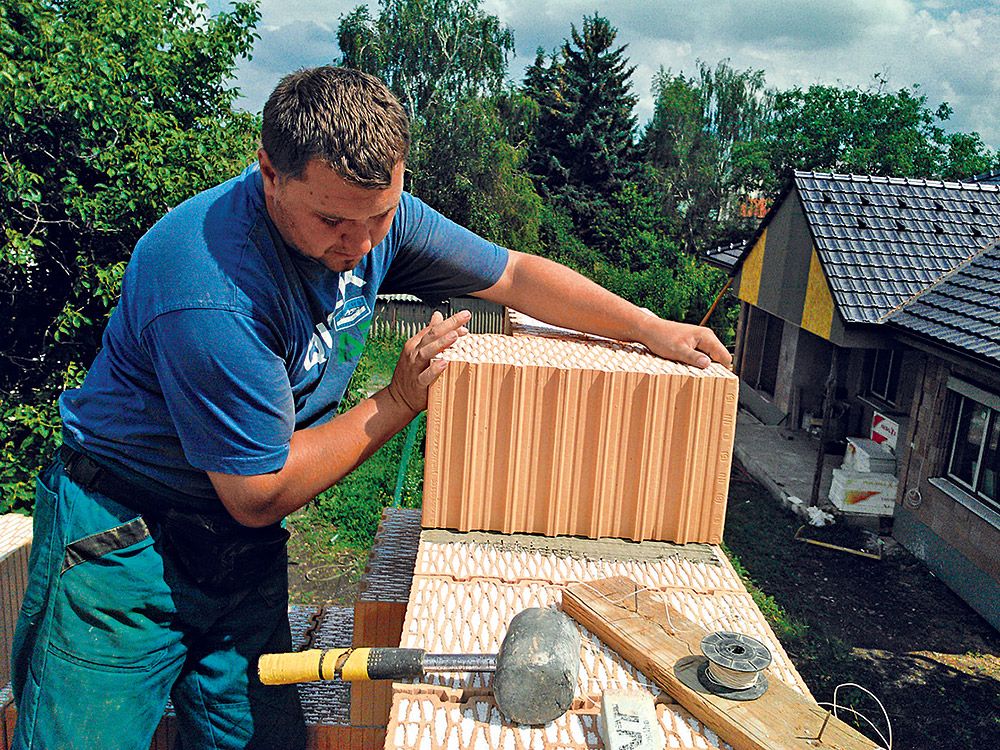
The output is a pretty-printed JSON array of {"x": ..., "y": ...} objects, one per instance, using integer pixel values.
[{"x": 404, "y": 315}]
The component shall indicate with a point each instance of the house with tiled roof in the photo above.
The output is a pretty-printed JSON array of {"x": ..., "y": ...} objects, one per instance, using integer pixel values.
[{"x": 889, "y": 289}]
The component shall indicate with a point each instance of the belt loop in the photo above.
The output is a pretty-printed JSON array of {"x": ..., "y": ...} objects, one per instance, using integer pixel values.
[{"x": 80, "y": 469}]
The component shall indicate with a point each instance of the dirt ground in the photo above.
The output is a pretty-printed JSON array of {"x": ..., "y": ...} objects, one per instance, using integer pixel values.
[{"x": 888, "y": 625}]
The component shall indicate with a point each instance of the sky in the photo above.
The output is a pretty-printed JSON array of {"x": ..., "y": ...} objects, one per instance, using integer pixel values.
[{"x": 948, "y": 47}]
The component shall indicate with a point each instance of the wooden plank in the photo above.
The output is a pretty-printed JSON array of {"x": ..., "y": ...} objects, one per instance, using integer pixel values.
[{"x": 665, "y": 646}]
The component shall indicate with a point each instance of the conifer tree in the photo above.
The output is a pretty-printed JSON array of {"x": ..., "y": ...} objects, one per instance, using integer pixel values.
[{"x": 583, "y": 149}]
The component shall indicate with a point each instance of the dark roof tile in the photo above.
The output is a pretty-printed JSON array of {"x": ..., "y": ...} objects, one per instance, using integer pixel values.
[
  {"x": 855, "y": 220},
  {"x": 962, "y": 309},
  {"x": 725, "y": 256}
]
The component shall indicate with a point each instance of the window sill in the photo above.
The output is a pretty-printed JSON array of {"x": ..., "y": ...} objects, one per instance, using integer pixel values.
[
  {"x": 883, "y": 407},
  {"x": 963, "y": 498}
]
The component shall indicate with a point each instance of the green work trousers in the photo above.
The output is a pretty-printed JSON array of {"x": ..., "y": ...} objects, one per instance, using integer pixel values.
[{"x": 110, "y": 627}]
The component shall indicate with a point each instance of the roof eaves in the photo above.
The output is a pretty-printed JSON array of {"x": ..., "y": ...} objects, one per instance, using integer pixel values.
[{"x": 971, "y": 185}]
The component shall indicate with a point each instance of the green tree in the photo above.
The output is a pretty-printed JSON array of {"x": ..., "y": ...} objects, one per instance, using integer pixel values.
[
  {"x": 431, "y": 53},
  {"x": 112, "y": 112},
  {"x": 583, "y": 149},
  {"x": 446, "y": 60},
  {"x": 865, "y": 131},
  {"x": 473, "y": 172},
  {"x": 704, "y": 132}
]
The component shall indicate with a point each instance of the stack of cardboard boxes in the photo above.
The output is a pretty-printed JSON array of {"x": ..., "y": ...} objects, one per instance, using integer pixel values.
[{"x": 866, "y": 481}]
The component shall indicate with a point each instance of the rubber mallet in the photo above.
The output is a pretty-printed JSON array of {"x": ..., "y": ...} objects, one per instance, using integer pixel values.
[{"x": 535, "y": 671}]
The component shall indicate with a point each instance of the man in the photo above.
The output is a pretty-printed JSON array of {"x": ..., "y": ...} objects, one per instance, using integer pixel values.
[{"x": 158, "y": 564}]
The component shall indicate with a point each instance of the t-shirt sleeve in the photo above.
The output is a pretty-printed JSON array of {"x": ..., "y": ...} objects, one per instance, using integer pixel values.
[
  {"x": 226, "y": 389},
  {"x": 437, "y": 259}
]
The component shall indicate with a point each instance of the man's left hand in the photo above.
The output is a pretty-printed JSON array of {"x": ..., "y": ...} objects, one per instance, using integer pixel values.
[{"x": 683, "y": 342}]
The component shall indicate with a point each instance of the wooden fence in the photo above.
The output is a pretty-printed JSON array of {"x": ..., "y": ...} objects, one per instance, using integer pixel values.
[{"x": 404, "y": 315}]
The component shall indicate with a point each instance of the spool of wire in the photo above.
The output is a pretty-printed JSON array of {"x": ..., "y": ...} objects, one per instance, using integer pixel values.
[{"x": 734, "y": 665}]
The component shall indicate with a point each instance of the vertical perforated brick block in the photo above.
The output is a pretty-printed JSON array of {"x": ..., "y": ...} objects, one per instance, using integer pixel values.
[
  {"x": 587, "y": 438},
  {"x": 15, "y": 547},
  {"x": 381, "y": 606},
  {"x": 8, "y": 716}
]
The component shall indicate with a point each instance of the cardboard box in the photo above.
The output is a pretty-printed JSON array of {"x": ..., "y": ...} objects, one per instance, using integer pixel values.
[{"x": 863, "y": 492}]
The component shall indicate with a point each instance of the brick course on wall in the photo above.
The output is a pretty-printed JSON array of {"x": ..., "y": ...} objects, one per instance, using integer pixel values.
[
  {"x": 15, "y": 547},
  {"x": 466, "y": 589},
  {"x": 589, "y": 438},
  {"x": 381, "y": 606}
]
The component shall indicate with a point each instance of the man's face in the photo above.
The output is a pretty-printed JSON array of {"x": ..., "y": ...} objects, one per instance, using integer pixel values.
[{"x": 325, "y": 217}]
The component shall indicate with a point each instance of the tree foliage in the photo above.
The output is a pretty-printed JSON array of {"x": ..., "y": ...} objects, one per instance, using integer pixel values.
[
  {"x": 446, "y": 61},
  {"x": 704, "y": 131},
  {"x": 112, "y": 111},
  {"x": 864, "y": 131},
  {"x": 431, "y": 53},
  {"x": 583, "y": 146}
]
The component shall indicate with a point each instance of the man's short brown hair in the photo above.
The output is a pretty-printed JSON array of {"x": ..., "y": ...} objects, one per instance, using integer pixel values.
[{"x": 342, "y": 116}]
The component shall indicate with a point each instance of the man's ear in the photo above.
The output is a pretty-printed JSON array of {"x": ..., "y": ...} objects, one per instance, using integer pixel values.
[{"x": 267, "y": 169}]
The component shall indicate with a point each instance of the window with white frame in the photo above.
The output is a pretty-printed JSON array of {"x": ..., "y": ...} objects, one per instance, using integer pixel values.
[
  {"x": 885, "y": 374},
  {"x": 974, "y": 457}
]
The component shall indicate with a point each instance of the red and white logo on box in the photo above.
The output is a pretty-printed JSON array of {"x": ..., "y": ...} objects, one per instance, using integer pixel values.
[{"x": 884, "y": 431}]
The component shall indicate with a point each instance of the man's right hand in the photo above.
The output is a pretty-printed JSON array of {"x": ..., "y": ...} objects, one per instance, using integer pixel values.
[{"x": 417, "y": 368}]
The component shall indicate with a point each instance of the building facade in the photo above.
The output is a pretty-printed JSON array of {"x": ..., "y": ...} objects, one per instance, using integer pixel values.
[{"x": 885, "y": 293}]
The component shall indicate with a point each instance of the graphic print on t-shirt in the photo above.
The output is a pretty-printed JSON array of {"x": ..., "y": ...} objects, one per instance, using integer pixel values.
[
  {"x": 352, "y": 306},
  {"x": 350, "y": 311}
]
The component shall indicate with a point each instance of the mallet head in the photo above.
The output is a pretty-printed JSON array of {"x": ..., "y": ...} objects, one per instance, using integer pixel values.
[{"x": 537, "y": 666}]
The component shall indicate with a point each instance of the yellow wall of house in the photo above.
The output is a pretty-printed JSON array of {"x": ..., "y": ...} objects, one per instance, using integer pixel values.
[
  {"x": 817, "y": 312},
  {"x": 751, "y": 271}
]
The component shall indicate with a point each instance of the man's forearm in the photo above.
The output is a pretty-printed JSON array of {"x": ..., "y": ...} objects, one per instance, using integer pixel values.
[
  {"x": 558, "y": 295},
  {"x": 318, "y": 458}
]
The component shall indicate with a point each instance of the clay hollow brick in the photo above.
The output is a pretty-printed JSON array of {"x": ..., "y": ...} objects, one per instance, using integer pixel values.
[
  {"x": 587, "y": 438},
  {"x": 422, "y": 721},
  {"x": 466, "y": 589},
  {"x": 381, "y": 606},
  {"x": 519, "y": 558},
  {"x": 15, "y": 547}
]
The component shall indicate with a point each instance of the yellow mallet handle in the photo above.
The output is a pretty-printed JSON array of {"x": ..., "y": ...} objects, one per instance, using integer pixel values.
[{"x": 314, "y": 665}]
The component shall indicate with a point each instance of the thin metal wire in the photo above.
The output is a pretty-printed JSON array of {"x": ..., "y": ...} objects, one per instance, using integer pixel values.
[
  {"x": 730, "y": 678},
  {"x": 834, "y": 705}
]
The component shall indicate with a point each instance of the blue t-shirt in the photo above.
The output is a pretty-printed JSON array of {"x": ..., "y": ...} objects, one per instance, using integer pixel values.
[{"x": 226, "y": 340}]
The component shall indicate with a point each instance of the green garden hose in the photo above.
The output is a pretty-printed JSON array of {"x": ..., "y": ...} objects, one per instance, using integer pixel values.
[{"x": 411, "y": 438}]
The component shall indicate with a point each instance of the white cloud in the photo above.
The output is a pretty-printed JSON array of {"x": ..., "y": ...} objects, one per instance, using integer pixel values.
[{"x": 946, "y": 46}]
